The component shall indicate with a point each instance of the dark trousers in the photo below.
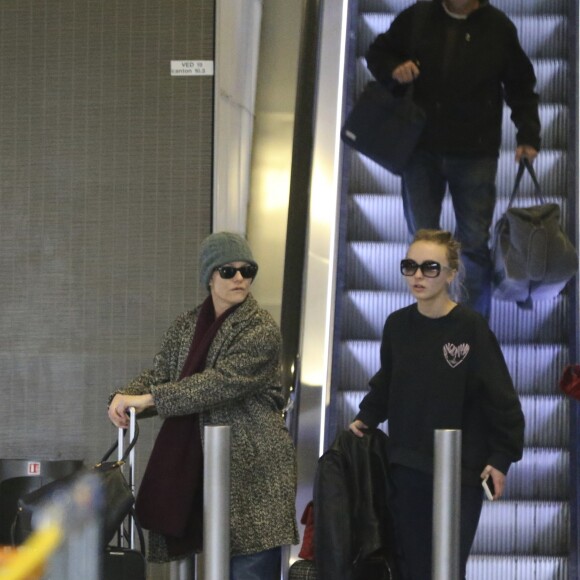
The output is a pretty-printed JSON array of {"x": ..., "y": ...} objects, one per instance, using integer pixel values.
[{"x": 412, "y": 505}]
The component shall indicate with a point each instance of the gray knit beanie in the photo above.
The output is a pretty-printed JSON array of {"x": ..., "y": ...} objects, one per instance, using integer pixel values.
[{"x": 219, "y": 249}]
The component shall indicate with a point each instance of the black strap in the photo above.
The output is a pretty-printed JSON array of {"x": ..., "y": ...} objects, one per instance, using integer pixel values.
[
  {"x": 125, "y": 534},
  {"x": 138, "y": 528},
  {"x": 132, "y": 444},
  {"x": 525, "y": 163}
]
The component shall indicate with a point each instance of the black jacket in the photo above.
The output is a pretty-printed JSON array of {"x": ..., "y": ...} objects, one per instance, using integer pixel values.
[
  {"x": 467, "y": 68},
  {"x": 351, "y": 517}
]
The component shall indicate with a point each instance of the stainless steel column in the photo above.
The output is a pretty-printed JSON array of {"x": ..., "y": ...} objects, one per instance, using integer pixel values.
[
  {"x": 184, "y": 569},
  {"x": 446, "y": 504},
  {"x": 216, "y": 503}
]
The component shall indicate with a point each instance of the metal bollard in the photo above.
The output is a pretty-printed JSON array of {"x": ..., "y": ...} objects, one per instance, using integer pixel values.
[
  {"x": 446, "y": 504},
  {"x": 216, "y": 504},
  {"x": 184, "y": 569}
]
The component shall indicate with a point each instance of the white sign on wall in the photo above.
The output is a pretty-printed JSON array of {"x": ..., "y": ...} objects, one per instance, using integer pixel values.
[
  {"x": 33, "y": 468},
  {"x": 192, "y": 68}
]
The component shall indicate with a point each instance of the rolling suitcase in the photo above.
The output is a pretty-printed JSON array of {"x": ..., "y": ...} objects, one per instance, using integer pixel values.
[
  {"x": 123, "y": 564},
  {"x": 121, "y": 559}
]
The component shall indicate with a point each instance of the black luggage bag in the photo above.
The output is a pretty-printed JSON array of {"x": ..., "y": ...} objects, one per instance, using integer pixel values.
[{"x": 123, "y": 564}]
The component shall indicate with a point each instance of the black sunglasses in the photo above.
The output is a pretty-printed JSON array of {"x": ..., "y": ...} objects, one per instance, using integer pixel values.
[
  {"x": 228, "y": 272},
  {"x": 429, "y": 268}
]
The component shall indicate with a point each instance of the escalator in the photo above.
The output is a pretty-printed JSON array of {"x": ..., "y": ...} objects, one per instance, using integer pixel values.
[{"x": 526, "y": 535}]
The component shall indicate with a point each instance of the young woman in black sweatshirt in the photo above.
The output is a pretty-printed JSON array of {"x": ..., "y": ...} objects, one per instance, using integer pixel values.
[{"x": 441, "y": 368}]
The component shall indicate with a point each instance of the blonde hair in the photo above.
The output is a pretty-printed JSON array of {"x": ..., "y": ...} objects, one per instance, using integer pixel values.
[
  {"x": 452, "y": 251},
  {"x": 442, "y": 238}
]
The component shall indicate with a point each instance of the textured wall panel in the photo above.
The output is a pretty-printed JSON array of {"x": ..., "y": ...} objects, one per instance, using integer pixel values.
[{"x": 105, "y": 190}]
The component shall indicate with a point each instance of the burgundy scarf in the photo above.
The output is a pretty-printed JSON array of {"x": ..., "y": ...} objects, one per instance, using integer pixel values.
[{"x": 170, "y": 498}]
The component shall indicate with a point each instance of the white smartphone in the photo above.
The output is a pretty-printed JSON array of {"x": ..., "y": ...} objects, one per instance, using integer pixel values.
[{"x": 487, "y": 485}]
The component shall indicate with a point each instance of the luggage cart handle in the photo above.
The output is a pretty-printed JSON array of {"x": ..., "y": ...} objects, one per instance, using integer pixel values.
[
  {"x": 129, "y": 454},
  {"x": 133, "y": 435}
]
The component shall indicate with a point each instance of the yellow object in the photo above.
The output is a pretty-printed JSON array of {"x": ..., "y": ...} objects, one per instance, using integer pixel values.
[{"x": 27, "y": 562}]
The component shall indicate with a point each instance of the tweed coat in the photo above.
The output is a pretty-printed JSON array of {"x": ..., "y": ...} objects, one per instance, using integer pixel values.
[{"x": 240, "y": 387}]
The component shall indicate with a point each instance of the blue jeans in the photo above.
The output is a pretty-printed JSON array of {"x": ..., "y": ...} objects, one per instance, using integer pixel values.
[
  {"x": 259, "y": 566},
  {"x": 471, "y": 182}
]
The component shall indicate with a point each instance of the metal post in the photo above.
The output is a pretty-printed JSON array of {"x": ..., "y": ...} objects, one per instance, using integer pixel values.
[
  {"x": 216, "y": 503},
  {"x": 446, "y": 504},
  {"x": 185, "y": 569}
]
